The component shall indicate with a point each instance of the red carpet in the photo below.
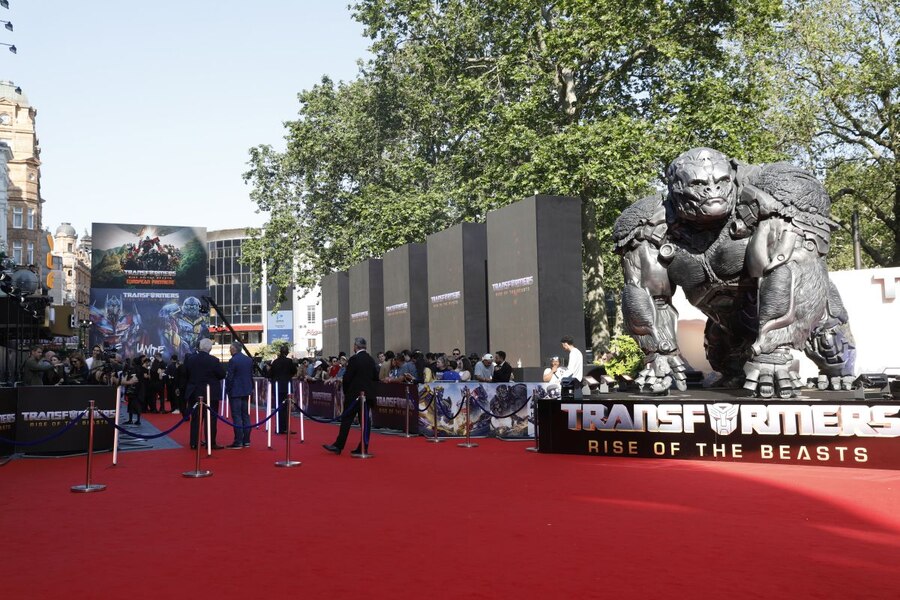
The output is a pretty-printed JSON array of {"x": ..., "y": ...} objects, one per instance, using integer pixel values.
[{"x": 438, "y": 521}]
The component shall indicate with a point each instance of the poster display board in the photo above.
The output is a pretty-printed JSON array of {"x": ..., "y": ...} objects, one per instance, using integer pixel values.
[
  {"x": 335, "y": 313},
  {"x": 367, "y": 305},
  {"x": 457, "y": 305},
  {"x": 43, "y": 410},
  {"x": 818, "y": 429},
  {"x": 147, "y": 288},
  {"x": 535, "y": 280},
  {"x": 406, "y": 298},
  {"x": 8, "y": 397}
]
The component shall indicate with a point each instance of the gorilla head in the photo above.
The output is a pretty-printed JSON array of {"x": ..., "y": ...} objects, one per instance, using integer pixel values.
[
  {"x": 701, "y": 184},
  {"x": 191, "y": 308}
]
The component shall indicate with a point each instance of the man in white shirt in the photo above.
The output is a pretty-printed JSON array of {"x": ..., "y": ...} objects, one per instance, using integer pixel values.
[
  {"x": 484, "y": 370},
  {"x": 575, "y": 367}
]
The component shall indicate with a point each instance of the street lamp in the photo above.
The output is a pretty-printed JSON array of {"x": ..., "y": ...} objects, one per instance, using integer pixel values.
[
  {"x": 8, "y": 24},
  {"x": 12, "y": 47},
  {"x": 4, "y": 3}
]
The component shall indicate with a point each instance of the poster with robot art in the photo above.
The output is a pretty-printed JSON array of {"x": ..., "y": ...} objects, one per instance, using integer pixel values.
[
  {"x": 501, "y": 410},
  {"x": 135, "y": 322},
  {"x": 148, "y": 284},
  {"x": 148, "y": 257}
]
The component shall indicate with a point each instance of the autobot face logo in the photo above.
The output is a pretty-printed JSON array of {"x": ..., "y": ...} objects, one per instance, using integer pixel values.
[{"x": 723, "y": 417}]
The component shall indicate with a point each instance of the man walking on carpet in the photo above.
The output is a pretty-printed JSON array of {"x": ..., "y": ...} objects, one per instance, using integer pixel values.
[{"x": 361, "y": 375}]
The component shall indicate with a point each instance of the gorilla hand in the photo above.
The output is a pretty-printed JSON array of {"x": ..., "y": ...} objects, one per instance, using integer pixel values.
[
  {"x": 769, "y": 373},
  {"x": 660, "y": 371}
]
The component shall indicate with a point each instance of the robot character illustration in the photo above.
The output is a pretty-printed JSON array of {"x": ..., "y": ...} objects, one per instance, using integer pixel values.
[
  {"x": 118, "y": 330},
  {"x": 182, "y": 327},
  {"x": 747, "y": 244}
]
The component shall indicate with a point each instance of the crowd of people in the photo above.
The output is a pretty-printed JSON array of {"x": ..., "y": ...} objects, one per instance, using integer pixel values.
[
  {"x": 414, "y": 366},
  {"x": 149, "y": 382}
]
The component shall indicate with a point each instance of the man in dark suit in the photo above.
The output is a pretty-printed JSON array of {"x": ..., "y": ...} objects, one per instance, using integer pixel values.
[
  {"x": 204, "y": 372},
  {"x": 361, "y": 376},
  {"x": 281, "y": 372},
  {"x": 239, "y": 386}
]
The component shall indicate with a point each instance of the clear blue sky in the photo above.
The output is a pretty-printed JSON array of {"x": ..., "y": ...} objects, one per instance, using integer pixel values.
[{"x": 146, "y": 110}]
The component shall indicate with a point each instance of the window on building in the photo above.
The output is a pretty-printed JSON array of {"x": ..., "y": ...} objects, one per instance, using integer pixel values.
[
  {"x": 311, "y": 313},
  {"x": 311, "y": 343},
  {"x": 31, "y": 221},
  {"x": 30, "y": 253},
  {"x": 17, "y": 217},
  {"x": 17, "y": 252},
  {"x": 70, "y": 246}
]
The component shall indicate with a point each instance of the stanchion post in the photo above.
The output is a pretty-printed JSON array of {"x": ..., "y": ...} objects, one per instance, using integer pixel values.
[
  {"x": 119, "y": 396},
  {"x": 363, "y": 417},
  {"x": 287, "y": 462},
  {"x": 468, "y": 443},
  {"x": 537, "y": 442},
  {"x": 197, "y": 472},
  {"x": 435, "y": 439},
  {"x": 209, "y": 441},
  {"x": 88, "y": 486},
  {"x": 406, "y": 432},
  {"x": 300, "y": 404},
  {"x": 269, "y": 418}
]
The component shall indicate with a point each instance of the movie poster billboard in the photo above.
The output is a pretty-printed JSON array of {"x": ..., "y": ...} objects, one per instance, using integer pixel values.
[
  {"x": 135, "y": 322},
  {"x": 148, "y": 257},
  {"x": 501, "y": 410}
]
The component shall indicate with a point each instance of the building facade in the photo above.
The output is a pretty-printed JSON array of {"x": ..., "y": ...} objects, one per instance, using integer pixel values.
[
  {"x": 5, "y": 156},
  {"x": 231, "y": 289},
  {"x": 76, "y": 269},
  {"x": 250, "y": 310},
  {"x": 17, "y": 130}
]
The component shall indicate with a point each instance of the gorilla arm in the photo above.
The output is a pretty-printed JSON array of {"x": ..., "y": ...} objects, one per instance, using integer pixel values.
[{"x": 651, "y": 318}]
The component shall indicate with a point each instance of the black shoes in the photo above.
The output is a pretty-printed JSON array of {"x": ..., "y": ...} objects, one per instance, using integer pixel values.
[
  {"x": 332, "y": 448},
  {"x": 235, "y": 446},
  {"x": 218, "y": 447}
]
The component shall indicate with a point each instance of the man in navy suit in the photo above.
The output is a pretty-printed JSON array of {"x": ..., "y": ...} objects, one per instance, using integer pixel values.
[
  {"x": 239, "y": 386},
  {"x": 361, "y": 376},
  {"x": 204, "y": 372}
]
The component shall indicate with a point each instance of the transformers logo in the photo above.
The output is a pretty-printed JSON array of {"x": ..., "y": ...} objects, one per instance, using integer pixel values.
[{"x": 724, "y": 417}]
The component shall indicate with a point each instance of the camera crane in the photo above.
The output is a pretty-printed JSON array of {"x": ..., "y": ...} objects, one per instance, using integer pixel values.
[{"x": 234, "y": 334}]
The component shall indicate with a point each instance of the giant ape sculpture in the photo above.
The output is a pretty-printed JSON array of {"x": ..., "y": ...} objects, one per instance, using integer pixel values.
[{"x": 747, "y": 243}]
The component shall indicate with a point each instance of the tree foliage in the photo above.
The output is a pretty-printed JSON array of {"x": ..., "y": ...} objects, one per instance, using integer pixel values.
[
  {"x": 469, "y": 105},
  {"x": 837, "y": 68}
]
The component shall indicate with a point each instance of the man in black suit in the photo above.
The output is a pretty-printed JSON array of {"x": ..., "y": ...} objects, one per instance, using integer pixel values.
[
  {"x": 361, "y": 376},
  {"x": 204, "y": 372},
  {"x": 281, "y": 372}
]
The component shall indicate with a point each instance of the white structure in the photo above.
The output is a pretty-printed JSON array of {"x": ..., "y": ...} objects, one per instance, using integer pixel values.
[{"x": 872, "y": 299}]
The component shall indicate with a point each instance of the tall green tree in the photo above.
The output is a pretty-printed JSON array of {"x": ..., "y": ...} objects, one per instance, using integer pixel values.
[
  {"x": 838, "y": 73},
  {"x": 469, "y": 105}
]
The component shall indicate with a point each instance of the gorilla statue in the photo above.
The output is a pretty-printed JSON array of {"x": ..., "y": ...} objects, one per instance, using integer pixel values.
[{"x": 747, "y": 244}]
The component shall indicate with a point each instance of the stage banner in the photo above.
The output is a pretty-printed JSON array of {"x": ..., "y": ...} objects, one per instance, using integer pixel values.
[
  {"x": 7, "y": 419},
  {"x": 148, "y": 256},
  {"x": 502, "y": 410},
  {"x": 134, "y": 322},
  {"x": 44, "y": 410},
  {"x": 395, "y": 407},
  {"x": 321, "y": 399},
  {"x": 819, "y": 428}
]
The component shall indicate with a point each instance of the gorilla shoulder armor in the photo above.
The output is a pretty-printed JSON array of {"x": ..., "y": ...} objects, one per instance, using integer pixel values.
[{"x": 645, "y": 220}]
